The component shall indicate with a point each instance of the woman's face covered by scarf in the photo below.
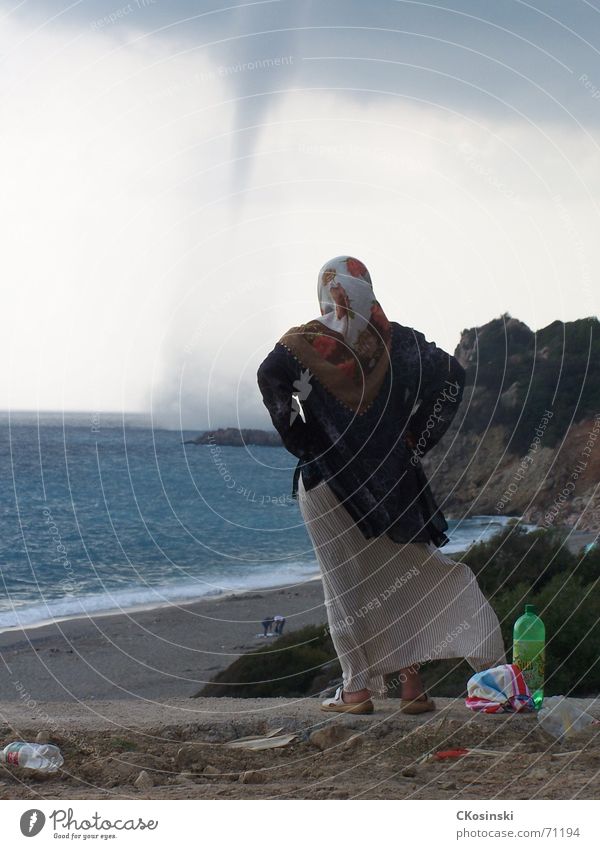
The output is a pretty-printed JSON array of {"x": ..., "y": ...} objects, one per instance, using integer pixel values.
[{"x": 349, "y": 310}]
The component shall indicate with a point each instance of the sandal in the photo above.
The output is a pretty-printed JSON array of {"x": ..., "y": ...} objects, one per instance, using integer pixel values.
[
  {"x": 422, "y": 704},
  {"x": 337, "y": 705}
]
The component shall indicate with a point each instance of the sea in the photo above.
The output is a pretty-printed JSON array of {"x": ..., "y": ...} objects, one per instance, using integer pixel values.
[{"x": 105, "y": 512}]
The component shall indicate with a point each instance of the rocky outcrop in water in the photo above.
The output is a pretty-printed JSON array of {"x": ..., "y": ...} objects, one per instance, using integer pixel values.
[{"x": 236, "y": 437}]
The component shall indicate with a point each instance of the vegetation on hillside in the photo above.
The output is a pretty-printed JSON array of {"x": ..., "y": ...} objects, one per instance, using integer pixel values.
[
  {"x": 515, "y": 556},
  {"x": 518, "y": 374},
  {"x": 299, "y": 663},
  {"x": 513, "y": 568}
]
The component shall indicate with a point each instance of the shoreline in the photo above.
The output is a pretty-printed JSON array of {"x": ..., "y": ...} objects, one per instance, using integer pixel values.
[
  {"x": 141, "y": 608},
  {"x": 575, "y": 541},
  {"x": 154, "y": 652}
]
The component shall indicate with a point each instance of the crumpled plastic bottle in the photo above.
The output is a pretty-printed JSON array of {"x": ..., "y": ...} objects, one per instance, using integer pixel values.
[
  {"x": 41, "y": 756},
  {"x": 561, "y": 718}
]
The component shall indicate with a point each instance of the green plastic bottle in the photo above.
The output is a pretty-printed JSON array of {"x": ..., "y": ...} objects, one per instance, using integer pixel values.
[{"x": 529, "y": 649}]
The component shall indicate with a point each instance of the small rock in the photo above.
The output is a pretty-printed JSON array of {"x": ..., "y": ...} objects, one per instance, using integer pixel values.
[
  {"x": 253, "y": 776},
  {"x": 408, "y": 772},
  {"x": 209, "y": 769},
  {"x": 171, "y": 734},
  {"x": 187, "y": 755},
  {"x": 353, "y": 742},
  {"x": 143, "y": 781},
  {"x": 184, "y": 778},
  {"x": 332, "y": 735},
  {"x": 42, "y": 737},
  {"x": 538, "y": 774}
]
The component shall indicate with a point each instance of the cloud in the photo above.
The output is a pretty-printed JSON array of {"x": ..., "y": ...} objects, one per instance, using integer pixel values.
[
  {"x": 167, "y": 205},
  {"x": 102, "y": 148},
  {"x": 457, "y": 222}
]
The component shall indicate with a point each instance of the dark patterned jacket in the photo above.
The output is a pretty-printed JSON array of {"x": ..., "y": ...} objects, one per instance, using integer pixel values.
[{"x": 365, "y": 458}]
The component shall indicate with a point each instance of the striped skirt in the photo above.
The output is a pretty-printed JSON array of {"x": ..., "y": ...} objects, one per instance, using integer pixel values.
[{"x": 391, "y": 605}]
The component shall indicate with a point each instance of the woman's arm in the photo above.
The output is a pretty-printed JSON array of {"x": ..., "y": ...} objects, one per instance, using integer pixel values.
[
  {"x": 442, "y": 381},
  {"x": 276, "y": 377}
]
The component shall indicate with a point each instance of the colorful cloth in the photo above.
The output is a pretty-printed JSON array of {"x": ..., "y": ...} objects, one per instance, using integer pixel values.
[
  {"x": 352, "y": 331},
  {"x": 499, "y": 690}
]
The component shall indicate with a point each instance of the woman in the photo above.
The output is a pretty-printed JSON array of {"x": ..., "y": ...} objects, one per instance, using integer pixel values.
[{"x": 359, "y": 399}]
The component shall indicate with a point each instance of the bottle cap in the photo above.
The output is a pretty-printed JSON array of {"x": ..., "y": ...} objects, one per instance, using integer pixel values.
[{"x": 531, "y": 608}]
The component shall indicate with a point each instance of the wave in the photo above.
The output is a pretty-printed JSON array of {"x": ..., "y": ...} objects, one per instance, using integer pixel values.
[
  {"x": 466, "y": 532},
  {"x": 25, "y": 614},
  {"x": 146, "y": 597}
]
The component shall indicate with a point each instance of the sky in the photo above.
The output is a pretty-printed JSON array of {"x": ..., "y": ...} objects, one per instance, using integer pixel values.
[{"x": 174, "y": 174}]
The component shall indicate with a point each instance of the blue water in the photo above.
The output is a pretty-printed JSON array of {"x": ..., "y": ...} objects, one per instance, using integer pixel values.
[{"x": 100, "y": 512}]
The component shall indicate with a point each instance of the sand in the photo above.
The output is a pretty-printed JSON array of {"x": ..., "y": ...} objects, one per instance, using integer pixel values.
[{"x": 154, "y": 654}]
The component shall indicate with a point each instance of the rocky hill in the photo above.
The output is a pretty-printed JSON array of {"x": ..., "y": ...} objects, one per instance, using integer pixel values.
[{"x": 526, "y": 440}]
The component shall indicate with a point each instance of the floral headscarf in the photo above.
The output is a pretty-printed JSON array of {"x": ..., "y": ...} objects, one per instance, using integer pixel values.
[{"x": 352, "y": 331}]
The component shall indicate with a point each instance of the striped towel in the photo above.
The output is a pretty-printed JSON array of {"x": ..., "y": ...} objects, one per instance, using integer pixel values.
[{"x": 499, "y": 690}]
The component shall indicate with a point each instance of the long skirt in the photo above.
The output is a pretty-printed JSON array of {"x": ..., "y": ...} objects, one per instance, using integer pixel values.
[{"x": 394, "y": 605}]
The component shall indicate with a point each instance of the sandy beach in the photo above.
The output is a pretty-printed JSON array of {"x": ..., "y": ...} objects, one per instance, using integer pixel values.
[{"x": 166, "y": 652}]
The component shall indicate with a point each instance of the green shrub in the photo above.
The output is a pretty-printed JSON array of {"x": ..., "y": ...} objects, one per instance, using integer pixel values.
[
  {"x": 514, "y": 556},
  {"x": 513, "y": 568},
  {"x": 588, "y": 565},
  {"x": 569, "y": 608},
  {"x": 294, "y": 665}
]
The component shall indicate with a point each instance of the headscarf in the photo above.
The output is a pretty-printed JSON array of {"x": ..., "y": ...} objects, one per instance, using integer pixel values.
[
  {"x": 348, "y": 346},
  {"x": 352, "y": 330}
]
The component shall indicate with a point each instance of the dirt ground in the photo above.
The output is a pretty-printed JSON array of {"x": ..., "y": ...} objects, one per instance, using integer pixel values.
[{"x": 179, "y": 749}]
